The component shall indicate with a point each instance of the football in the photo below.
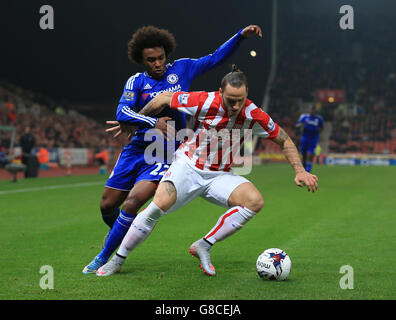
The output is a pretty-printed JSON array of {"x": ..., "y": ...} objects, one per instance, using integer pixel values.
[{"x": 273, "y": 264}]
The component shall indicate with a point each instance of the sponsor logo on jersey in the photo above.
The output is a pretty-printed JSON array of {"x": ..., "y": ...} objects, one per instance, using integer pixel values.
[
  {"x": 147, "y": 87},
  {"x": 172, "y": 78},
  {"x": 171, "y": 89}
]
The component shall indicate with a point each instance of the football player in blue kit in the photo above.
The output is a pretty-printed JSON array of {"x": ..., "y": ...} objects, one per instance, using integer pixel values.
[
  {"x": 134, "y": 180},
  {"x": 311, "y": 124}
]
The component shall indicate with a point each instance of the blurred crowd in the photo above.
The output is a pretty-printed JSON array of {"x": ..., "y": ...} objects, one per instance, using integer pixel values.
[
  {"x": 315, "y": 54},
  {"x": 52, "y": 124}
]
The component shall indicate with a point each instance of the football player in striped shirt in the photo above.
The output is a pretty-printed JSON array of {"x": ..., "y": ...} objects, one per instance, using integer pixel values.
[
  {"x": 199, "y": 169},
  {"x": 133, "y": 180}
]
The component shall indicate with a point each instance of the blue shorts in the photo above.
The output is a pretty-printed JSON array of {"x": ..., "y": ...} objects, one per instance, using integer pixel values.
[
  {"x": 308, "y": 145},
  {"x": 131, "y": 168}
]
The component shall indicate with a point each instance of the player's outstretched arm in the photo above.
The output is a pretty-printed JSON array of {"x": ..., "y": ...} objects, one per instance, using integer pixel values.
[
  {"x": 206, "y": 63},
  {"x": 290, "y": 152}
]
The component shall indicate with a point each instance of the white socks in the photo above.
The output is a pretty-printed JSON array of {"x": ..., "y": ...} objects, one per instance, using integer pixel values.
[
  {"x": 140, "y": 229},
  {"x": 229, "y": 223}
]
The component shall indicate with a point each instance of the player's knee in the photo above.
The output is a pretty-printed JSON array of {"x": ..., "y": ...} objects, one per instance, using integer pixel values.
[
  {"x": 165, "y": 196},
  {"x": 106, "y": 205},
  {"x": 254, "y": 202},
  {"x": 133, "y": 204},
  {"x": 248, "y": 196}
]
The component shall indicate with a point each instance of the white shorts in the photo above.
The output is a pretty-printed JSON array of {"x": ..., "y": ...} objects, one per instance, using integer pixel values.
[{"x": 191, "y": 182}]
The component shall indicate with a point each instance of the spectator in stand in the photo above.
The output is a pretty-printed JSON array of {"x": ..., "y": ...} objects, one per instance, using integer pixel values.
[
  {"x": 11, "y": 111},
  {"x": 3, "y": 158},
  {"x": 103, "y": 158},
  {"x": 43, "y": 157}
]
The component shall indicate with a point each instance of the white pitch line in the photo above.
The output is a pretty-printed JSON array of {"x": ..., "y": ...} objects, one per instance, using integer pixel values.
[{"x": 61, "y": 186}]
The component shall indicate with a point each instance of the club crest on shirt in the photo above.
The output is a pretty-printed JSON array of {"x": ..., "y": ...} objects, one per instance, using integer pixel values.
[{"x": 172, "y": 78}]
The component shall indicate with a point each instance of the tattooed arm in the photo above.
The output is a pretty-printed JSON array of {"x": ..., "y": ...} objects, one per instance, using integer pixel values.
[
  {"x": 291, "y": 154},
  {"x": 156, "y": 105},
  {"x": 289, "y": 150}
]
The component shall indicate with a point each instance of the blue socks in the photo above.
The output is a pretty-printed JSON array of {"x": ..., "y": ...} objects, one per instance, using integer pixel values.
[
  {"x": 117, "y": 233},
  {"x": 308, "y": 166}
]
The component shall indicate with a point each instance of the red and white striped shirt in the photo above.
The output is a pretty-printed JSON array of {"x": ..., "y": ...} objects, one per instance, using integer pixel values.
[{"x": 217, "y": 136}]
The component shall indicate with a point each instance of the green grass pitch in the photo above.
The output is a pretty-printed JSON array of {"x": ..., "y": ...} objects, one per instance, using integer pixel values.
[{"x": 351, "y": 221}]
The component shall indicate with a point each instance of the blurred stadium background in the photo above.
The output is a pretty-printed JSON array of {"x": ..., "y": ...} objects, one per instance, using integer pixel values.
[{"x": 64, "y": 83}]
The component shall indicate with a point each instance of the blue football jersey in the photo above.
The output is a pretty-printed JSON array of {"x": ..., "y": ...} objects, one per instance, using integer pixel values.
[
  {"x": 311, "y": 123},
  {"x": 142, "y": 88}
]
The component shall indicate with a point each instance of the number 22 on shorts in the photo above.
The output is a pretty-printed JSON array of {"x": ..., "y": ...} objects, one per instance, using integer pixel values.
[{"x": 157, "y": 171}]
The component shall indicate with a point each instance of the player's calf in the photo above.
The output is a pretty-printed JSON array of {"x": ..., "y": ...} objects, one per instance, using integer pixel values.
[
  {"x": 109, "y": 216},
  {"x": 229, "y": 223},
  {"x": 139, "y": 195},
  {"x": 140, "y": 229},
  {"x": 110, "y": 203}
]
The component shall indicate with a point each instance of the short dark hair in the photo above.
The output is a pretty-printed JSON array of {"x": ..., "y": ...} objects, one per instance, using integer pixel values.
[
  {"x": 149, "y": 37},
  {"x": 235, "y": 79}
]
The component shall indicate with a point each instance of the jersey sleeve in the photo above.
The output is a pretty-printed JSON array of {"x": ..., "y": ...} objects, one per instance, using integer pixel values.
[
  {"x": 320, "y": 122},
  {"x": 300, "y": 120},
  {"x": 203, "y": 64},
  {"x": 263, "y": 125},
  {"x": 125, "y": 112},
  {"x": 188, "y": 102}
]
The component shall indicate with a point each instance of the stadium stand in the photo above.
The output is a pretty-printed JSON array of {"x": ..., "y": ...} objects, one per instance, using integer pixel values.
[
  {"x": 55, "y": 126},
  {"x": 356, "y": 65}
]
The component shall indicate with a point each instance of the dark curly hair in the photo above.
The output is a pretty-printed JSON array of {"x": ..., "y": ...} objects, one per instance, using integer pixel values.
[{"x": 149, "y": 37}]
